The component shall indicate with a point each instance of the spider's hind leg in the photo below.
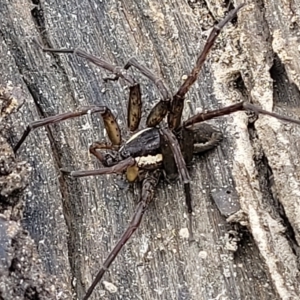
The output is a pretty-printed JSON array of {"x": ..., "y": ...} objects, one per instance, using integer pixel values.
[
  {"x": 148, "y": 188},
  {"x": 206, "y": 137},
  {"x": 196, "y": 139}
]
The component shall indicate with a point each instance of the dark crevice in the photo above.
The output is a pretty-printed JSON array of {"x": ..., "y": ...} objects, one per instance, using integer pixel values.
[
  {"x": 261, "y": 5},
  {"x": 285, "y": 92},
  {"x": 39, "y": 20},
  {"x": 38, "y": 16},
  {"x": 294, "y": 27},
  {"x": 36, "y": 97},
  {"x": 239, "y": 84},
  {"x": 202, "y": 6},
  {"x": 197, "y": 4},
  {"x": 246, "y": 254},
  {"x": 66, "y": 185},
  {"x": 265, "y": 174},
  {"x": 266, "y": 182},
  {"x": 18, "y": 53},
  {"x": 229, "y": 6}
]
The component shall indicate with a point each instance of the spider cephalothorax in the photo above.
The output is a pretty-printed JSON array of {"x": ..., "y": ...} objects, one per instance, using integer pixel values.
[{"x": 160, "y": 147}]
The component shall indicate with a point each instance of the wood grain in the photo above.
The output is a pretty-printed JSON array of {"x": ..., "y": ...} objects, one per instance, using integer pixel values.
[{"x": 75, "y": 223}]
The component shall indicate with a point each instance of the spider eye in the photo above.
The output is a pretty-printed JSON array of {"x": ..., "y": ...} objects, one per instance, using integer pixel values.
[
  {"x": 124, "y": 153},
  {"x": 109, "y": 161}
]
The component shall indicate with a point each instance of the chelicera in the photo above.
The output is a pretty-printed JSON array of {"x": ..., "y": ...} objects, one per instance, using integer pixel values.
[{"x": 159, "y": 148}]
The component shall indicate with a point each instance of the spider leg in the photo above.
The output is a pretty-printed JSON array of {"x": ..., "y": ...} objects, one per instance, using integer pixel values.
[
  {"x": 118, "y": 71},
  {"x": 169, "y": 137},
  {"x": 148, "y": 187},
  {"x": 119, "y": 167},
  {"x": 160, "y": 110},
  {"x": 163, "y": 89},
  {"x": 109, "y": 120},
  {"x": 134, "y": 104},
  {"x": 198, "y": 118},
  {"x": 176, "y": 108}
]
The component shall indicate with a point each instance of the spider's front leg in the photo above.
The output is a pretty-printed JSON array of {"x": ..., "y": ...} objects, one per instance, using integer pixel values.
[
  {"x": 148, "y": 187},
  {"x": 174, "y": 117}
]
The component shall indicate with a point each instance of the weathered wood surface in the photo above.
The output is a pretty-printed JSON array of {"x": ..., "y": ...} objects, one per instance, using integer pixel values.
[{"x": 75, "y": 223}]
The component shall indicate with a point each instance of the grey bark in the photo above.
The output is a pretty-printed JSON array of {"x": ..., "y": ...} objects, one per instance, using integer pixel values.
[{"x": 75, "y": 223}]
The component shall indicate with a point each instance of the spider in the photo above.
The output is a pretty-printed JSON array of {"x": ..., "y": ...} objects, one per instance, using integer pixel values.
[{"x": 158, "y": 148}]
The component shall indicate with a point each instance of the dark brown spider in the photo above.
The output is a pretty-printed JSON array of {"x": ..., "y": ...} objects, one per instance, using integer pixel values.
[{"x": 151, "y": 150}]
